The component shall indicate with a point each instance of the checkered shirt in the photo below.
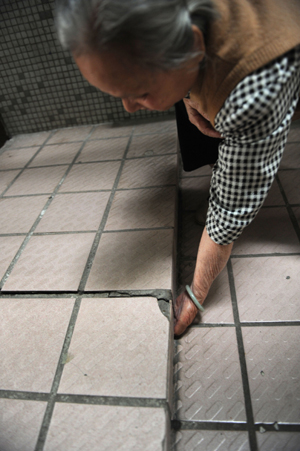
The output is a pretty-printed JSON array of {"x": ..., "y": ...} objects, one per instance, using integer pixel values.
[{"x": 254, "y": 121}]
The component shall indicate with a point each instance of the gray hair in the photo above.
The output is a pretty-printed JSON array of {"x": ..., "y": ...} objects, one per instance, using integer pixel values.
[{"x": 156, "y": 33}]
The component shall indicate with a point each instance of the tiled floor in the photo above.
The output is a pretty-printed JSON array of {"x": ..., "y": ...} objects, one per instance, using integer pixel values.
[
  {"x": 86, "y": 237},
  {"x": 237, "y": 369}
]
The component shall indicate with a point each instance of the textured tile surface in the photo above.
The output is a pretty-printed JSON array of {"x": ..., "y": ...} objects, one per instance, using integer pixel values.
[
  {"x": 294, "y": 134},
  {"x": 6, "y": 178},
  {"x": 204, "y": 170},
  {"x": 190, "y": 235},
  {"x": 291, "y": 184},
  {"x": 109, "y": 131},
  {"x": 142, "y": 208},
  {"x": 9, "y": 247},
  {"x": 155, "y": 127},
  {"x": 18, "y": 214},
  {"x": 271, "y": 231},
  {"x": 274, "y": 197},
  {"x": 32, "y": 335},
  {"x": 279, "y": 441},
  {"x": 37, "y": 181},
  {"x": 211, "y": 441},
  {"x": 106, "y": 428},
  {"x": 91, "y": 176},
  {"x": 194, "y": 190},
  {"x": 111, "y": 352},
  {"x": 108, "y": 149},
  {"x": 133, "y": 260},
  {"x": 56, "y": 154},
  {"x": 273, "y": 363},
  {"x": 32, "y": 139},
  {"x": 146, "y": 146},
  {"x": 152, "y": 171},
  {"x": 267, "y": 289},
  {"x": 218, "y": 308},
  {"x": 297, "y": 214},
  {"x": 70, "y": 134},
  {"x": 209, "y": 382},
  {"x": 74, "y": 212},
  {"x": 12, "y": 159},
  {"x": 54, "y": 262},
  {"x": 20, "y": 423},
  {"x": 291, "y": 156}
]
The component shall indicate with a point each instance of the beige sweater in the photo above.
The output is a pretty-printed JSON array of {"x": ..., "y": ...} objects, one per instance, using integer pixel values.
[{"x": 246, "y": 35}]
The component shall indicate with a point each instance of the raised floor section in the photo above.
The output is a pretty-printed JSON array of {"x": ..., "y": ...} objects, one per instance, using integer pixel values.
[{"x": 87, "y": 236}]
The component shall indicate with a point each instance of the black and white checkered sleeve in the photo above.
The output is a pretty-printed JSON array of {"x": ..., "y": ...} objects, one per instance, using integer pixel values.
[{"x": 254, "y": 122}]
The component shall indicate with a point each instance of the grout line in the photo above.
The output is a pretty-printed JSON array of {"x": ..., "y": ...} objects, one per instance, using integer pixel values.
[
  {"x": 250, "y": 324},
  {"x": 86, "y": 191},
  {"x": 49, "y": 165},
  {"x": 26, "y": 195},
  {"x": 190, "y": 258},
  {"x": 111, "y": 400},
  {"x": 142, "y": 229},
  {"x": 70, "y": 232},
  {"x": 188, "y": 177},
  {"x": 60, "y": 366},
  {"x": 142, "y": 157},
  {"x": 204, "y": 325},
  {"x": 159, "y": 294},
  {"x": 35, "y": 224},
  {"x": 11, "y": 169},
  {"x": 289, "y": 209},
  {"x": 83, "y": 399},
  {"x": 278, "y": 427},
  {"x": 147, "y": 187},
  {"x": 186, "y": 425},
  {"x": 26, "y": 395},
  {"x": 270, "y": 324},
  {"x": 243, "y": 363},
  {"x": 91, "y": 191},
  {"x": 275, "y": 254},
  {"x": 288, "y": 169},
  {"x": 97, "y": 238},
  {"x": 4, "y": 235}
]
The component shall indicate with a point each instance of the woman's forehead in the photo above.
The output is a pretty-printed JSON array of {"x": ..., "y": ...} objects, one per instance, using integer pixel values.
[{"x": 108, "y": 73}]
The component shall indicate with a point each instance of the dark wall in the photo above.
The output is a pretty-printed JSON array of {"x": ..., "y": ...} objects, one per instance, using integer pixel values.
[
  {"x": 40, "y": 86},
  {"x": 3, "y": 133}
]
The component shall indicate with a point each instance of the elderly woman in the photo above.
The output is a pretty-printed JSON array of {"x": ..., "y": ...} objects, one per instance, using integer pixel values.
[{"x": 232, "y": 69}]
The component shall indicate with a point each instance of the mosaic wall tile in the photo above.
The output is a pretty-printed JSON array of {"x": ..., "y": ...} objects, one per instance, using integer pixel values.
[{"x": 41, "y": 86}]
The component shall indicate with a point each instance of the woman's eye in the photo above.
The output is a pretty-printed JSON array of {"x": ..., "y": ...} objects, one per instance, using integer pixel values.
[{"x": 143, "y": 97}]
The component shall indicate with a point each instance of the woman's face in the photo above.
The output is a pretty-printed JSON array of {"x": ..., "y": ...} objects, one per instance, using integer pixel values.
[{"x": 139, "y": 89}]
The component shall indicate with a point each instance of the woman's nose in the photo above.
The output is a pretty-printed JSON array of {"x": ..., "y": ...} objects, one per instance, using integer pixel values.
[{"x": 131, "y": 105}]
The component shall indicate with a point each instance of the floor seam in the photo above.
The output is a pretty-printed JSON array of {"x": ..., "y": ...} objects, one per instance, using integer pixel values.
[
  {"x": 40, "y": 216},
  {"x": 242, "y": 361},
  {"x": 57, "y": 377}
]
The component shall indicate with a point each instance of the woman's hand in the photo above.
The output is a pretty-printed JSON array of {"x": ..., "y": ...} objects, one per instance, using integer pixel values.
[
  {"x": 199, "y": 120},
  {"x": 211, "y": 260}
]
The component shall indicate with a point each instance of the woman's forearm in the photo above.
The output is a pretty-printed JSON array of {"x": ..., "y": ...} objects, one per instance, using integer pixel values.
[{"x": 211, "y": 259}]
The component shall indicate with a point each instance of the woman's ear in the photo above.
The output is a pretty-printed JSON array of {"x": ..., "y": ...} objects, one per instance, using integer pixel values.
[{"x": 198, "y": 41}]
